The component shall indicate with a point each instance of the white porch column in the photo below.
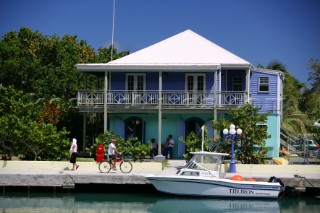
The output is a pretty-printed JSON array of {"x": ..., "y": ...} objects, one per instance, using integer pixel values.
[
  {"x": 105, "y": 110},
  {"x": 84, "y": 130},
  {"x": 247, "y": 85},
  {"x": 215, "y": 114},
  {"x": 159, "y": 157}
]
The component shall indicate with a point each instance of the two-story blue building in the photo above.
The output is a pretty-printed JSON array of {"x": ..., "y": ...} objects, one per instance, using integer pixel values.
[{"x": 176, "y": 86}]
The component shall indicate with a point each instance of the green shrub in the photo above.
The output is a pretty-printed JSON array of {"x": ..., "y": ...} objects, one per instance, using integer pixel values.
[{"x": 131, "y": 148}]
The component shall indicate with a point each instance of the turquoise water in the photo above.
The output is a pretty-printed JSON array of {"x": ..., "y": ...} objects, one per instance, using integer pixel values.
[{"x": 98, "y": 202}]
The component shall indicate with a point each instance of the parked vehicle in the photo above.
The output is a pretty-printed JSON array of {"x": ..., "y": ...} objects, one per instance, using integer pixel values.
[{"x": 301, "y": 142}]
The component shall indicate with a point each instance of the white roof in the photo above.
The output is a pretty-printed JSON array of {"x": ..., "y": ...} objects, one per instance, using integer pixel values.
[{"x": 186, "y": 50}]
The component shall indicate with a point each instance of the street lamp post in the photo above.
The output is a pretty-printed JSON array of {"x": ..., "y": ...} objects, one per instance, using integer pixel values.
[
  {"x": 317, "y": 125},
  {"x": 232, "y": 133}
]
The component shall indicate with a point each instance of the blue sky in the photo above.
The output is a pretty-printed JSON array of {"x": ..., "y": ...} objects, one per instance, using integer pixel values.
[{"x": 259, "y": 31}]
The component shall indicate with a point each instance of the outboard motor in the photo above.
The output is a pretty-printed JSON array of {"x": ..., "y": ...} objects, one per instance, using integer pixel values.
[{"x": 274, "y": 179}]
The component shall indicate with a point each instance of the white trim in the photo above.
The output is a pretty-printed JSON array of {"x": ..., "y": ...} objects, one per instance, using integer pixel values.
[
  {"x": 272, "y": 72},
  {"x": 279, "y": 94},
  {"x": 146, "y": 67},
  {"x": 263, "y": 84},
  {"x": 248, "y": 79},
  {"x": 220, "y": 79}
]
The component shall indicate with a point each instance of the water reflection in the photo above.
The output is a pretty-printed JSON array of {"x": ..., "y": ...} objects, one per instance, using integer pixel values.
[
  {"x": 129, "y": 203},
  {"x": 216, "y": 205}
]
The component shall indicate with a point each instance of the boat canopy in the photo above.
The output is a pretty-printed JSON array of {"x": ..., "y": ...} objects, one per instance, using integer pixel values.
[{"x": 208, "y": 161}]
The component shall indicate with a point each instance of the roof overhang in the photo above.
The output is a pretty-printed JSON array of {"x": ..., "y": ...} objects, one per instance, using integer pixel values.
[
  {"x": 146, "y": 68},
  {"x": 105, "y": 67},
  {"x": 272, "y": 72}
]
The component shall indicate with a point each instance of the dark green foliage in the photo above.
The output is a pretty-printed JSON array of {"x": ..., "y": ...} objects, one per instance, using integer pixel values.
[
  {"x": 301, "y": 105},
  {"x": 314, "y": 74},
  {"x": 23, "y": 134},
  {"x": 44, "y": 67},
  {"x": 131, "y": 148},
  {"x": 193, "y": 143},
  {"x": 250, "y": 149}
]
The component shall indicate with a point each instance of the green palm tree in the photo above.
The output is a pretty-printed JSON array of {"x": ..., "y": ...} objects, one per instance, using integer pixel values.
[{"x": 293, "y": 120}]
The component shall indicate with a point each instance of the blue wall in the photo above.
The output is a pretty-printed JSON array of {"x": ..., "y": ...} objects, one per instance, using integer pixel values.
[
  {"x": 170, "y": 81},
  {"x": 118, "y": 81},
  {"x": 267, "y": 101}
]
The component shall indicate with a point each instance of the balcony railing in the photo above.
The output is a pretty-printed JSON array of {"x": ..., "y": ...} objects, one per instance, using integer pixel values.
[{"x": 169, "y": 98}]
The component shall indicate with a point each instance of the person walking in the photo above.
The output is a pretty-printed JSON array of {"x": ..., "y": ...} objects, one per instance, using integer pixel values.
[{"x": 73, "y": 154}]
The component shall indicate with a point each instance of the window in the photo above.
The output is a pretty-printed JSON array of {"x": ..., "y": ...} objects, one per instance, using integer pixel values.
[
  {"x": 262, "y": 127},
  {"x": 263, "y": 84},
  {"x": 237, "y": 83},
  {"x": 195, "y": 86}
]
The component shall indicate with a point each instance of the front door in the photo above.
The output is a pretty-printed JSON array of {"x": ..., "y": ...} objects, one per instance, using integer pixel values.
[{"x": 135, "y": 86}]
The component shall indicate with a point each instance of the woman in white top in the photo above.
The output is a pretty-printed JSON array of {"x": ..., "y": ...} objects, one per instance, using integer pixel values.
[{"x": 73, "y": 154}]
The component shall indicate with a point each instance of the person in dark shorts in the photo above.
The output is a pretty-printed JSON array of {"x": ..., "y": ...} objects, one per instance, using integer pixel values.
[
  {"x": 73, "y": 154},
  {"x": 111, "y": 152}
]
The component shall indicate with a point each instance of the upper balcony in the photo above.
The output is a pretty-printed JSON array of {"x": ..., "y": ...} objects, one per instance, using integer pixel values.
[{"x": 122, "y": 101}]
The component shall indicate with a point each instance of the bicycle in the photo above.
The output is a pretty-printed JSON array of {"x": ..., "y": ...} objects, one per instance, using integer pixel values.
[{"x": 106, "y": 165}]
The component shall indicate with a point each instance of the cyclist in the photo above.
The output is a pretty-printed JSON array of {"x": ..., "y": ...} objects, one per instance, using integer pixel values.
[{"x": 111, "y": 152}]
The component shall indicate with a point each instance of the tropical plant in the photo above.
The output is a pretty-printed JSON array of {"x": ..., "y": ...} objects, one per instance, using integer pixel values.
[
  {"x": 251, "y": 149},
  {"x": 131, "y": 148},
  {"x": 314, "y": 74},
  {"x": 193, "y": 143},
  {"x": 44, "y": 66},
  {"x": 294, "y": 120},
  {"x": 22, "y": 134}
]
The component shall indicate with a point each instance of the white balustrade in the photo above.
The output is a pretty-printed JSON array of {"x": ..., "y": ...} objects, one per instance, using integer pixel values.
[{"x": 169, "y": 98}]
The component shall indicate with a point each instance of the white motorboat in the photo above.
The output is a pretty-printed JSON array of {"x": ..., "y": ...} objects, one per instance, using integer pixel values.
[{"x": 201, "y": 176}]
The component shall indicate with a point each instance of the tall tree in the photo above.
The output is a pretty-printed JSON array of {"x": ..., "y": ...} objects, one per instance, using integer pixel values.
[
  {"x": 312, "y": 96},
  {"x": 314, "y": 74},
  {"x": 294, "y": 120},
  {"x": 23, "y": 131},
  {"x": 44, "y": 66}
]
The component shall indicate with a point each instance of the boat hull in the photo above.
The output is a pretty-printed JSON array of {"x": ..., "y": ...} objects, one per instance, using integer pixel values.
[{"x": 208, "y": 187}]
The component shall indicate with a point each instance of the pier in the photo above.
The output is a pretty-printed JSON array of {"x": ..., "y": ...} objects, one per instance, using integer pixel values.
[{"x": 56, "y": 175}]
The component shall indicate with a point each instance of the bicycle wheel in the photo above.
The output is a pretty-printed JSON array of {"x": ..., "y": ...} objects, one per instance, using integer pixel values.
[
  {"x": 125, "y": 166},
  {"x": 105, "y": 167}
]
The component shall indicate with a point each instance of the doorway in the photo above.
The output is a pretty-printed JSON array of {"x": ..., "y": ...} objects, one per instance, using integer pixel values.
[
  {"x": 134, "y": 128},
  {"x": 194, "y": 125}
]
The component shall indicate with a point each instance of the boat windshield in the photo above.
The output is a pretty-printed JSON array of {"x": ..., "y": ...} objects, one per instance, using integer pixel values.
[{"x": 205, "y": 162}]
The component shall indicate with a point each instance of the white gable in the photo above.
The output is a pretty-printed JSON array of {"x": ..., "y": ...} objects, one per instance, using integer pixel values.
[{"x": 184, "y": 50}]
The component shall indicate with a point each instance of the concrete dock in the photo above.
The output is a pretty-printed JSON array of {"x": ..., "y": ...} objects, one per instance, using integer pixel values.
[{"x": 57, "y": 174}]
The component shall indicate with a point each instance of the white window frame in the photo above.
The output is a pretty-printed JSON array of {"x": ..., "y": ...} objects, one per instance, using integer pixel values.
[{"x": 264, "y": 84}]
